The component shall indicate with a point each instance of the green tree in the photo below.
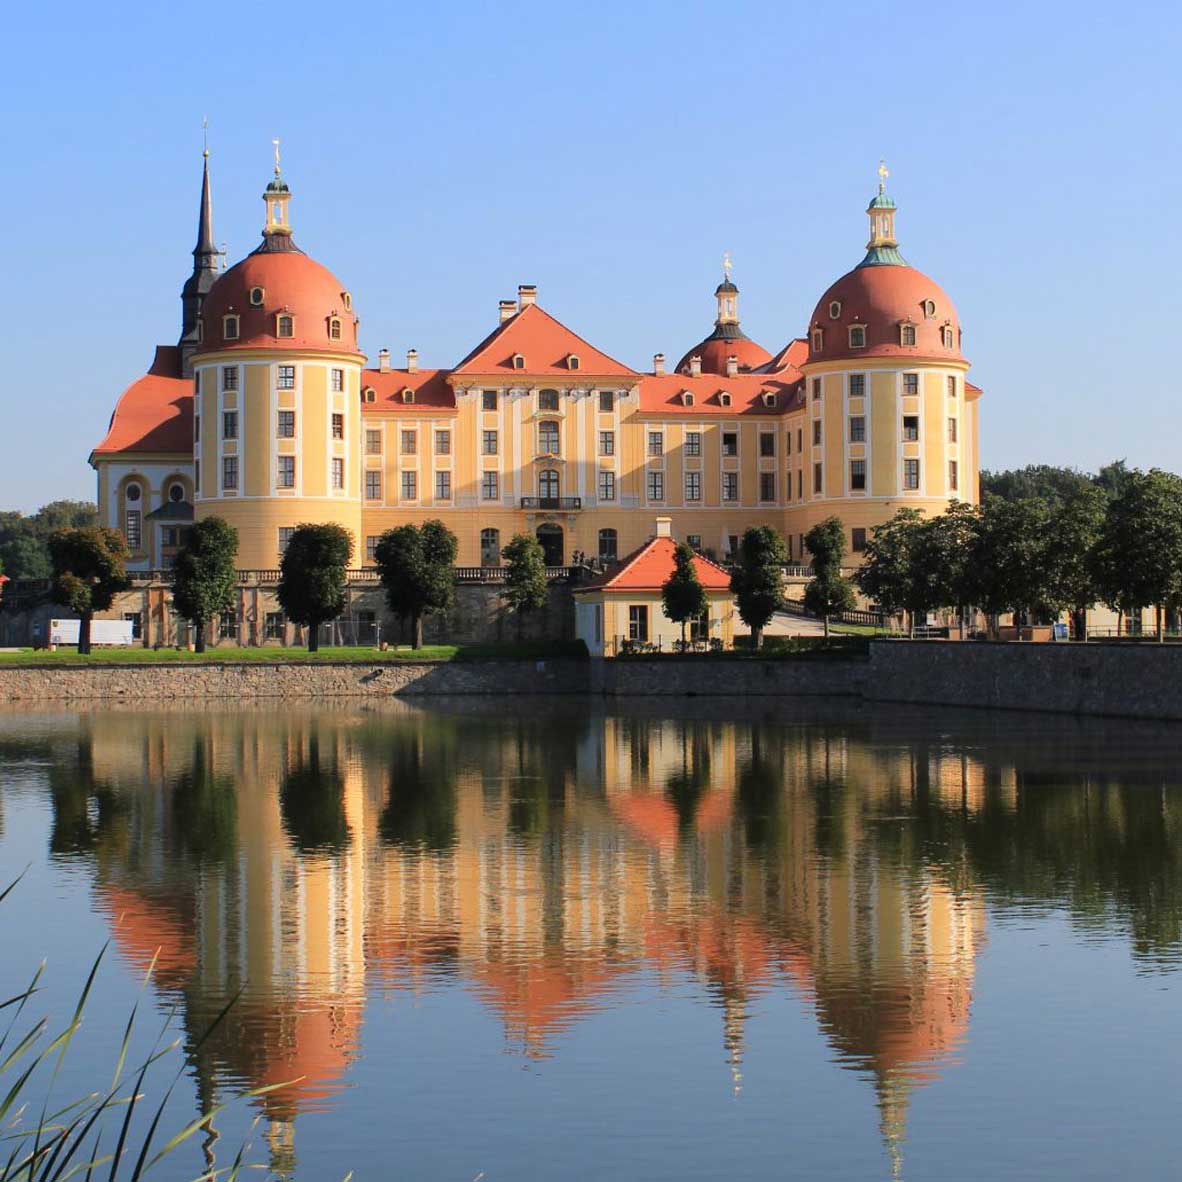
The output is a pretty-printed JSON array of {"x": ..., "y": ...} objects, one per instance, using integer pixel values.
[
  {"x": 525, "y": 588},
  {"x": 312, "y": 586},
  {"x": 25, "y": 557},
  {"x": 416, "y": 565},
  {"x": 886, "y": 576},
  {"x": 88, "y": 572},
  {"x": 1076, "y": 523},
  {"x": 1042, "y": 481},
  {"x": 683, "y": 596},
  {"x": 203, "y": 585},
  {"x": 1010, "y": 567},
  {"x": 24, "y": 548},
  {"x": 939, "y": 560},
  {"x": 828, "y": 592},
  {"x": 1113, "y": 478},
  {"x": 758, "y": 577},
  {"x": 1138, "y": 555}
]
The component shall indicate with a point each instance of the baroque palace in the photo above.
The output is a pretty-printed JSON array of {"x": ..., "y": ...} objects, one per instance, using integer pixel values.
[{"x": 266, "y": 413}]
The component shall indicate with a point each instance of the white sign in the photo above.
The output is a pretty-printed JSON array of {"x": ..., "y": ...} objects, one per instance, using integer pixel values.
[{"x": 101, "y": 631}]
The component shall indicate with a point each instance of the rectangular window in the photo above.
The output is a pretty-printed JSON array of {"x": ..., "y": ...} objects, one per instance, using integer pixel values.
[
  {"x": 548, "y": 438},
  {"x": 373, "y": 486},
  {"x": 767, "y": 444},
  {"x": 910, "y": 428},
  {"x": 911, "y": 383},
  {"x": 230, "y": 377},
  {"x": 136, "y": 620},
  {"x": 274, "y": 626},
  {"x": 699, "y": 626},
  {"x": 607, "y": 486},
  {"x": 730, "y": 443},
  {"x": 816, "y": 432},
  {"x": 816, "y": 389},
  {"x": 287, "y": 471},
  {"x": 693, "y": 443},
  {"x": 817, "y": 473},
  {"x": 858, "y": 475},
  {"x": 767, "y": 486},
  {"x": 857, "y": 428},
  {"x": 228, "y": 626},
  {"x": 953, "y": 475},
  {"x": 694, "y": 541},
  {"x": 799, "y": 440},
  {"x": 338, "y": 426},
  {"x": 443, "y": 443},
  {"x": 656, "y": 443},
  {"x": 410, "y": 486},
  {"x": 656, "y": 486},
  {"x": 488, "y": 443},
  {"x": 732, "y": 544},
  {"x": 371, "y": 547},
  {"x": 229, "y": 472},
  {"x": 693, "y": 486},
  {"x": 373, "y": 443},
  {"x": 285, "y": 426},
  {"x": 547, "y": 400},
  {"x": 606, "y": 402},
  {"x": 858, "y": 540},
  {"x": 488, "y": 399},
  {"x": 951, "y": 386},
  {"x": 788, "y": 442},
  {"x": 607, "y": 443},
  {"x": 229, "y": 424},
  {"x": 490, "y": 486},
  {"x": 638, "y": 622},
  {"x": 857, "y": 385},
  {"x": 443, "y": 486},
  {"x": 285, "y": 532},
  {"x": 286, "y": 380},
  {"x": 951, "y": 430},
  {"x": 911, "y": 474},
  {"x": 338, "y": 472},
  {"x": 410, "y": 442},
  {"x": 337, "y": 383},
  {"x": 196, "y": 428},
  {"x": 133, "y": 528},
  {"x": 730, "y": 486}
]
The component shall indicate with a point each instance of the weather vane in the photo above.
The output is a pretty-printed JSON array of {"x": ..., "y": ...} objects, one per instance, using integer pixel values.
[
  {"x": 276, "y": 143},
  {"x": 726, "y": 263},
  {"x": 883, "y": 173}
]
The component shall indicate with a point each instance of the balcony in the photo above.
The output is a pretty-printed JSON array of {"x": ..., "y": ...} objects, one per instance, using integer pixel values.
[{"x": 552, "y": 503}]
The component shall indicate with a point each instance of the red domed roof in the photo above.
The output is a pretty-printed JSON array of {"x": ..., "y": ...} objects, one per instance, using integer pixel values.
[
  {"x": 720, "y": 345},
  {"x": 883, "y": 299},
  {"x": 292, "y": 285}
]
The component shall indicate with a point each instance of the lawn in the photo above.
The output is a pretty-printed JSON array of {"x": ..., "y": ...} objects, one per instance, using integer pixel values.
[{"x": 361, "y": 655}]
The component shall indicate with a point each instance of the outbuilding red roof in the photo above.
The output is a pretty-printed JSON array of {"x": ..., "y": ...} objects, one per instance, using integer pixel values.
[
  {"x": 749, "y": 394},
  {"x": 432, "y": 394},
  {"x": 649, "y": 567},
  {"x": 154, "y": 413}
]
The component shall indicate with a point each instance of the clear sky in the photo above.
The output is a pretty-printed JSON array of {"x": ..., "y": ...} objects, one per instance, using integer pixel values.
[{"x": 610, "y": 152}]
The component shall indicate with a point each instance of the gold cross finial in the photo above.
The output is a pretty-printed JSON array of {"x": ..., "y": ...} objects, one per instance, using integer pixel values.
[
  {"x": 883, "y": 173},
  {"x": 276, "y": 143},
  {"x": 726, "y": 263}
]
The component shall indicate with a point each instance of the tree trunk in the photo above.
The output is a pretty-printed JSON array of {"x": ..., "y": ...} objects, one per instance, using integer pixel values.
[
  {"x": 1160, "y": 620},
  {"x": 910, "y": 625},
  {"x": 683, "y": 636},
  {"x": 756, "y": 637},
  {"x": 313, "y": 638},
  {"x": 84, "y": 633},
  {"x": 418, "y": 630},
  {"x": 1120, "y": 621},
  {"x": 199, "y": 636},
  {"x": 825, "y": 619}
]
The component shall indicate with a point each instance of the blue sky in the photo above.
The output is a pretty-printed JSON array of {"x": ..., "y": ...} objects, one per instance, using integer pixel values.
[{"x": 609, "y": 153}]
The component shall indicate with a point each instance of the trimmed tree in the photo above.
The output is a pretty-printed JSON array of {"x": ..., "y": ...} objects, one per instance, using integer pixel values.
[
  {"x": 203, "y": 585},
  {"x": 683, "y": 597},
  {"x": 828, "y": 592},
  {"x": 416, "y": 565},
  {"x": 525, "y": 577},
  {"x": 312, "y": 587},
  {"x": 1076, "y": 527},
  {"x": 758, "y": 577},
  {"x": 88, "y": 572},
  {"x": 1009, "y": 566},
  {"x": 886, "y": 574},
  {"x": 939, "y": 560}
]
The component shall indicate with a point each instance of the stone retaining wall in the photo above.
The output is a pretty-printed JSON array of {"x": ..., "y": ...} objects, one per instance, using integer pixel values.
[{"x": 742, "y": 677}]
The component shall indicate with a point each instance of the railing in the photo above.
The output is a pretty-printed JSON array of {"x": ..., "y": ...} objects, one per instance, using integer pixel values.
[
  {"x": 551, "y": 502},
  {"x": 864, "y": 618}
]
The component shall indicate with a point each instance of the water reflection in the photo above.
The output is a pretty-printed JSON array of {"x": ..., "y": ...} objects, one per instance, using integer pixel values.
[{"x": 545, "y": 860}]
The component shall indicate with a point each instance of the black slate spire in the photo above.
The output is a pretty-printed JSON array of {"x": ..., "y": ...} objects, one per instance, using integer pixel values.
[{"x": 206, "y": 268}]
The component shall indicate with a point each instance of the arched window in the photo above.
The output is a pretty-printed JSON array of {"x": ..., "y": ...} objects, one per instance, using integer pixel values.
[
  {"x": 490, "y": 547},
  {"x": 946, "y": 332},
  {"x": 285, "y": 326},
  {"x": 518, "y": 361},
  {"x": 548, "y": 437},
  {"x": 608, "y": 545},
  {"x": 906, "y": 333},
  {"x": 724, "y": 398},
  {"x": 347, "y": 301},
  {"x": 687, "y": 398},
  {"x": 818, "y": 339},
  {"x": 548, "y": 484},
  {"x": 572, "y": 361},
  {"x": 408, "y": 395},
  {"x": 334, "y": 329},
  {"x": 230, "y": 328}
]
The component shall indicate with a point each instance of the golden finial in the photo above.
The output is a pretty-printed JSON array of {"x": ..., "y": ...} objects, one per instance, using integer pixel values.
[
  {"x": 883, "y": 173},
  {"x": 726, "y": 263},
  {"x": 276, "y": 143},
  {"x": 205, "y": 136}
]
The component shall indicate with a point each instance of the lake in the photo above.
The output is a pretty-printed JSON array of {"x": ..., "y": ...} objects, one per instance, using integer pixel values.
[{"x": 540, "y": 939}]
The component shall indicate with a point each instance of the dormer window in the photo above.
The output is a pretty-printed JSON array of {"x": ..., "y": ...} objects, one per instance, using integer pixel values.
[
  {"x": 230, "y": 328},
  {"x": 367, "y": 395},
  {"x": 929, "y": 309},
  {"x": 408, "y": 395},
  {"x": 518, "y": 361},
  {"x": 769, "y": 398},
  {"x": 256, "y": 297},
  {"x": 858, "y": 336},
  {"x": 818, "y": 339},
  {"x": 724, "y": 398},
  {"x": 572, "y": 361},
  {"x": 906, "y": 333},
  {"x": 835, "y": 310},
  {"x": 334, "y": 328},
  {"x": 347, "y": 301},
  {"x": 687, "y": 398},
  {"x": 946, "y": 336},
  {"x": 284, "y": 325}
]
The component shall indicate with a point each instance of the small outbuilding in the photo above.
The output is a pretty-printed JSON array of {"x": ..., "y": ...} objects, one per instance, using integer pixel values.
[{"x": 622, "y": 608}]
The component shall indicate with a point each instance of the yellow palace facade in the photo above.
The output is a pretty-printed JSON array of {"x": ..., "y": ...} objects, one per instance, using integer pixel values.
[{"x": 267, "y": 413}]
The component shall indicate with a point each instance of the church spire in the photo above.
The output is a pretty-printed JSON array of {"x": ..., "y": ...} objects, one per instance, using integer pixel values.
[{"x": 206, "y": 268}]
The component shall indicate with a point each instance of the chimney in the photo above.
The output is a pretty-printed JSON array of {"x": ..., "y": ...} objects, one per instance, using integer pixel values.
[
  {"x": 659, "y": 364},
  {"x": 732, "y": 366},
  {"x": 506, "y": 310},
  {"x": 527, "y": 293},
  {"x": 695, "y": 367},
  {"x": 664, "y": 527},
  {"x": 383, "y": 360},
  {"x": 412, "y": 361}
]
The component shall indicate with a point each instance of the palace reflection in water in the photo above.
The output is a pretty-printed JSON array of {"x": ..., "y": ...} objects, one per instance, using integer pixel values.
[{"x": 311, "y": 858}]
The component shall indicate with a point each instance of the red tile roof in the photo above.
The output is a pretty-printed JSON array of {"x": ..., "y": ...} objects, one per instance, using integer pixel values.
[
  {"x": 544, "y": 343},
  {"x": 433, "y": 395},
  {"x": 664, "y": 394},
  {"x": 792, "y": 356},
  {"x": 154, "y": 413},
  {"x": 649, "y": 567}
]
